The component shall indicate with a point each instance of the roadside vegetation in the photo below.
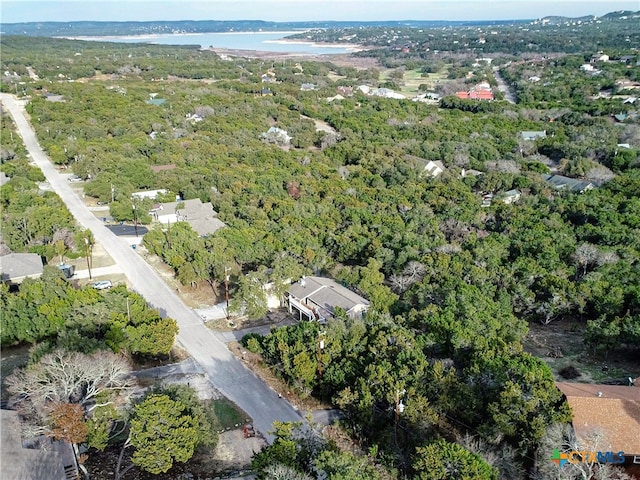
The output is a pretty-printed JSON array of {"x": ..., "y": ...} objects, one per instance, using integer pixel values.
[{"x": 454, "y": 282}]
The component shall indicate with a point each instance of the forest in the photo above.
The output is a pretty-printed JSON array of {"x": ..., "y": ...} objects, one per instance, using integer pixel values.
[{"x": 454, "y": 284}]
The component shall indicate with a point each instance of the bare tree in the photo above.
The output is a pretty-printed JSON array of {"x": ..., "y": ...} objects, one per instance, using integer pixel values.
[
  {"x": 283, "y": 472},
  {"x": 585, "y": 255},
  {"x": 67, "y": 377},
  {"x": 413, "y": 272},
  {"x": 501, "y": 456},
  {"x": 562, "y": 438}
]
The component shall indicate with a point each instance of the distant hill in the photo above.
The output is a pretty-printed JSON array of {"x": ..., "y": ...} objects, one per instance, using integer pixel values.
[
  {"x": 612, "y": 16},
  {"x": 89, "y": 28}
]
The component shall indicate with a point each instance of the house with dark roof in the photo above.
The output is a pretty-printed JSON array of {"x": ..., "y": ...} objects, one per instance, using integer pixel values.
[
  {"x": 316, "y": 298},
  {"x": 611, "y": 411},
  {"x": 15, "y": 267},
  {"x": 568, "y": 184},
  {"x": 43, "y": 459}
]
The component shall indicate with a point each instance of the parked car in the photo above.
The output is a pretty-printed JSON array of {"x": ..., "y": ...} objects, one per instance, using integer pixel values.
[
  {"x": 101, "y": 285},
  {"x": 74, "y": 178}
]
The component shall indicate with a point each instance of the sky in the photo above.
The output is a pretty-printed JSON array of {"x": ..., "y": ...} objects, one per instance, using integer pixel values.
[{"x": 14, "y": 11}]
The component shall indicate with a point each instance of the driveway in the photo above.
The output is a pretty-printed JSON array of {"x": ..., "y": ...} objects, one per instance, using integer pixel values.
[{"x": 223, "y": 370}]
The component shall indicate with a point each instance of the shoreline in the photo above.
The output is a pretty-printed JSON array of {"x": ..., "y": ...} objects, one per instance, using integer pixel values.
[
  {"x": 152, "y": 38},
  {"x": 143, "y": 36}
]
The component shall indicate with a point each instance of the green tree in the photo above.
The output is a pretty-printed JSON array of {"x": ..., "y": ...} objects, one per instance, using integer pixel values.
[
  {"x": 161, "y": 434},
  {"x": 449, "y": 461}
]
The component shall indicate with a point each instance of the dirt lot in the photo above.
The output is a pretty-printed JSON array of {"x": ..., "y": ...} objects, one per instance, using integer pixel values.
[
  {"x": 231, "y": 456},
  {"x": 339, "y": 59},
  {"x": 560, "y": 344}
]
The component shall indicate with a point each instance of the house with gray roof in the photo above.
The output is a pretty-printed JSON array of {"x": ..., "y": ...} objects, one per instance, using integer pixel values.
[
  {"x": 15, "y": 267},
  {"x": 533, "y": 135},
  {"x": 568, "y": 184},
  {"x": 200, "y": 216},
  {"x": 45, "y": 460},
  {"x": 316, "y": 298}
]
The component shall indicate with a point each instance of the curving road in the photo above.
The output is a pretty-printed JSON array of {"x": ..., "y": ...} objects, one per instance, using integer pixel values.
[{"x": 224, "y": 370}]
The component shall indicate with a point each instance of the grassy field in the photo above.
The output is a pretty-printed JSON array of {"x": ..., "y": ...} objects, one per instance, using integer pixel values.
[
  {"x": 229, "y": 414},
  {"x": 412, "y": 79}
]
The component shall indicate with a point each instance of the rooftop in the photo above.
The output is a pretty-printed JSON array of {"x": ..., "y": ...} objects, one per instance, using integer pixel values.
[
  {"x": 611, "y": 409},
  {"x": 327, "y": 294},
  {"x": 17, "y": 266},
  {"x": 20, "y": 463}
]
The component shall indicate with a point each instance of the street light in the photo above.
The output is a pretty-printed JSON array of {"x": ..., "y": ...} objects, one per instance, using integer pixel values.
[{"x": 87, "y": 250}]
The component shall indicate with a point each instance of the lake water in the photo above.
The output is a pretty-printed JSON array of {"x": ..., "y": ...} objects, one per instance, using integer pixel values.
[{"x": 263, "y": 41}]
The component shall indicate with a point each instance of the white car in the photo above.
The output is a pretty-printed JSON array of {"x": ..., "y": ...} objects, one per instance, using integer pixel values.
[
  {"x": 101, "y": 285},
  {"x": 74, "y": 178}
]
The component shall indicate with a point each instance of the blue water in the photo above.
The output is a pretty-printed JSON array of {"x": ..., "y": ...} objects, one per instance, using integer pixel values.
[{"x": 263, "y": 41}]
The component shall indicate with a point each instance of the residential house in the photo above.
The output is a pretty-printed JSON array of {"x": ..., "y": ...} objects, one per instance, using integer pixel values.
[
  {"x": 568, "y": 184},
  {"x": 43, "y": 459},
  {"x": 15, "y": 267},
  {"x": 482, "y": 91},
  {"x": 200, "y": 216},
  {"x": 335, "y": 97},
  {"x": 610, "y": 411},
  {"x": 266, "y": 92},
  {"x": 151, "y": 194},
  {"x": 487, "y": 200},
  {"x": 156, "y": 101},
  {"x": 470, "y": 173},
  {"x": 307, "y": 87},
  {"x": 53, "y": 97},
  {"x": 269, "y": 77},
  {"x": 345, "y": 91},
  {"x": 510, "y": 196},
  {"x": 533, "y": 134},
  {"x": 433, "y": 168},
  {"x": 386, "y": 93},
  {"x": 599, "y": 57},
  {"x": 316, "y": 298},
  {"x": 276, "y": 135}
]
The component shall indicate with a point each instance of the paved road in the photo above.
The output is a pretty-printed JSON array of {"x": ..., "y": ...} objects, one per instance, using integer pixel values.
[
  {"x": 509, "y": 93},
  {"x": 225, "y": 371}
]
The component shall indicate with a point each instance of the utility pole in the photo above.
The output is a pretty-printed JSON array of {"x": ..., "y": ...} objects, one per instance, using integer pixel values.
[
  {"x": 399, "y": 408},
  {"x": 113, "y": 191},
  {"x": 226, "y": 288},
  {"x": 320, "y": 349},
  {"x": 87, "y": 250},
  {"x": 135, "y": 219}
]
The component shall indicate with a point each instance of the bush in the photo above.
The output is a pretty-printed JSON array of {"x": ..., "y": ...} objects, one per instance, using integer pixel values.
[
  {"x": 252, "y": 342},
  {"x": 569, "y": 372}
]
